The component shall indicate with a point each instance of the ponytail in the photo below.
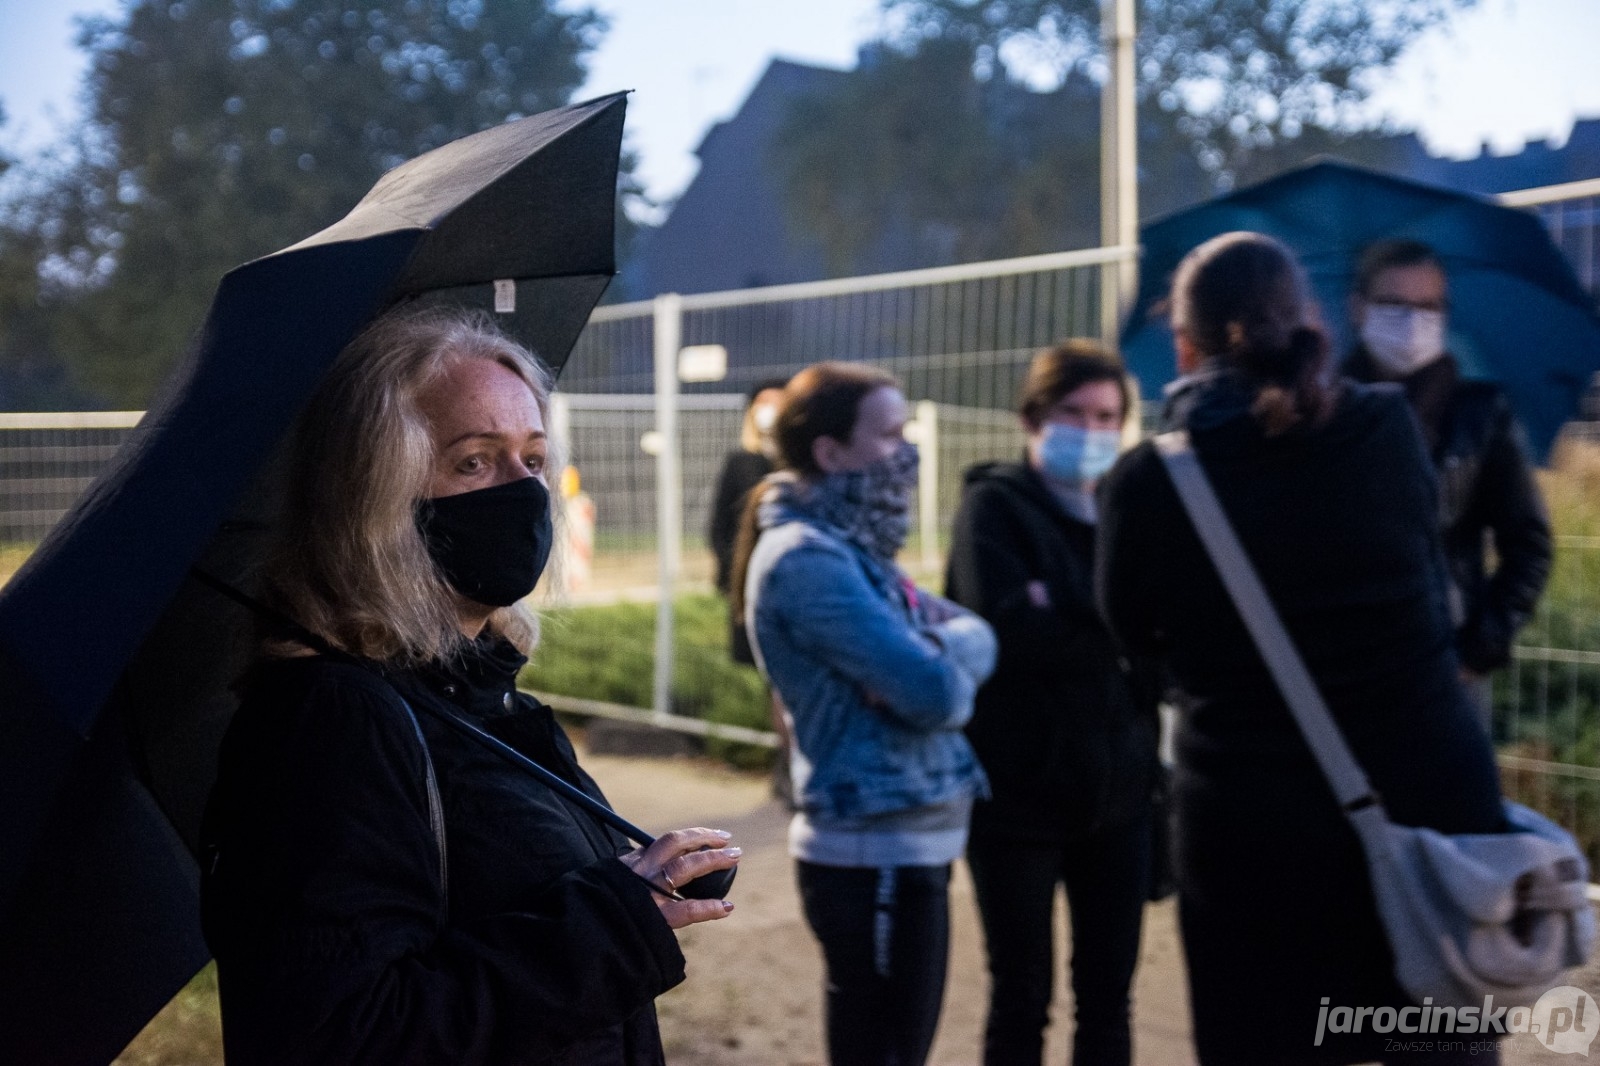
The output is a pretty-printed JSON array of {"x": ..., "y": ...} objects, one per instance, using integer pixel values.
[
  {"x": 1294, "y": 385},
  {"x": 1242, "y": 300}
]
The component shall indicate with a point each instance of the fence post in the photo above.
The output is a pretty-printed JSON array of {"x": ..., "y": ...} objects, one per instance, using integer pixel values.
[
  {"x": 561, "y": 425},
  {"x": 669, "y": 491},
  {"x": 928, "y": 482}
]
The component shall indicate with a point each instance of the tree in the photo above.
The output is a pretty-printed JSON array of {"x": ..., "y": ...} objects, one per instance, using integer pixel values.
[
  {"x": 221, "y": 130},
  {"x": 948, "y": 127},
  {"x": 915, "y": 151}
]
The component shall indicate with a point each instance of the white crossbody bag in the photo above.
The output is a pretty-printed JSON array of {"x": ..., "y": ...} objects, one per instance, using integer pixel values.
[{"x": 1467, "y": 915}]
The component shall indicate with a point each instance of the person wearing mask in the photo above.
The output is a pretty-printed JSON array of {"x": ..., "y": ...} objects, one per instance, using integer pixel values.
[
  {"x": 1065, "y": 729},
  {"x": 878, "y": 678},
  {"x": 1329, "y": 489},
  {"x": 742, "y": 470},
  {"x": 1489, "y": 502},
  {"x": 378, "y": 883}
]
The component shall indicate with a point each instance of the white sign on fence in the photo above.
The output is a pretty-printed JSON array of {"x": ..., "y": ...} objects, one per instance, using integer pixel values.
[{"x": 702, "y": 362}]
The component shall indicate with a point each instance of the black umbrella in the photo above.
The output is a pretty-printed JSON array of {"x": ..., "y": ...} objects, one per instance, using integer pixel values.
[
  {"x": 114, "y": 666},
  {"x": 1518, "y": 314}
]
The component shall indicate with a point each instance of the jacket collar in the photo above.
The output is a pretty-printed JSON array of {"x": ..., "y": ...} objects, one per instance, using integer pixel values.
[
  {"x": 481, "y": 679},
  {"x": 1429, "y": 389},
  {"x": 1025, "y": 481}
]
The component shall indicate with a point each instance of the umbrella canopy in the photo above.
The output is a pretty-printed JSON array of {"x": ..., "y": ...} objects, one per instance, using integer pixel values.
[
  {"x": 1518, "y": 315},
  {"x": 114, "y": 668}
]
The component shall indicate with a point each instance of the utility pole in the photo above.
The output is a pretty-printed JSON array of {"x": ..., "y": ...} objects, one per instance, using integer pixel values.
[{"x": 1119, "y": 162}]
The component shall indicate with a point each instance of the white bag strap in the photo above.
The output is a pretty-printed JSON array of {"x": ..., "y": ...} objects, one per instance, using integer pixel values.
[{"x": 1339, "y": 767}]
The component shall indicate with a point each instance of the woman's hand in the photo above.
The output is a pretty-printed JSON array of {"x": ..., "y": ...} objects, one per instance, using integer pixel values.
[{"x": 675, "y": 859}]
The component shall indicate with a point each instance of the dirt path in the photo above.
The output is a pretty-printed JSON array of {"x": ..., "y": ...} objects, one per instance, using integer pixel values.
[{"x": 754, "y": 991}]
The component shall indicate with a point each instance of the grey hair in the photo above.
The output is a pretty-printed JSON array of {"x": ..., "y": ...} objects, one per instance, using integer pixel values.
[{"x": 347, "y": 560}]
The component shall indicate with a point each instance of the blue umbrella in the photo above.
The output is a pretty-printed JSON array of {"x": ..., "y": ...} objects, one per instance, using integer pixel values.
[{"x": 1518, "y": 315}]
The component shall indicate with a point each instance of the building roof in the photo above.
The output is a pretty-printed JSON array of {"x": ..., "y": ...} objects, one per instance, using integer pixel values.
[{"x": 730, "y": 228}]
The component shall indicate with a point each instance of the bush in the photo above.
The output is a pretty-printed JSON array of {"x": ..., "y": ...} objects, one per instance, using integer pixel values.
[{"x": 608, "y": 653}]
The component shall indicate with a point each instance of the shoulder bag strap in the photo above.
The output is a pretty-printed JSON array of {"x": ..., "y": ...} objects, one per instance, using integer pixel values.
[
  {"x": 435, "y": 806},
  {"x": 1339, "y": 767}
]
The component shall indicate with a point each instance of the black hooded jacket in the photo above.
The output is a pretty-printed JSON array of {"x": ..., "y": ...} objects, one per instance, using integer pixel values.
[
  {"x": 336, "y": 940},
  {"x": 1065, "y": 727},
  {"x": 1486, "y": 485}
]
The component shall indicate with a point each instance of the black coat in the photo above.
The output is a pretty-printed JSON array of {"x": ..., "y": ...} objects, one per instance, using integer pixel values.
[
  {"x": 1486, "y": 485},
  {"x": 741, "y": 472},
  {"x": 1066, "y": 731},
  {"x": 322, "y": 900},
  {"x": 1341, "y": 523}
]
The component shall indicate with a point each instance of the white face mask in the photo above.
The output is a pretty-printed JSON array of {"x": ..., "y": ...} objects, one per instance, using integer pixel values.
[
  {"x": 765, "y": 416},
  {"x": 1403, "y": 340}
]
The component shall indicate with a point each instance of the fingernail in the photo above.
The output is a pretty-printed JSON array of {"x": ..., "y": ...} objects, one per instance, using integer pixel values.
[
  {"x": 734, "y": 852},
  {"x": 723, "y": 833},
  {"x": 726, "y": 906}
]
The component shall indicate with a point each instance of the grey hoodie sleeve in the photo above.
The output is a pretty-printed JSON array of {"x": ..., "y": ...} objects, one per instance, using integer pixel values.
[{"x": 969, "y": 643}]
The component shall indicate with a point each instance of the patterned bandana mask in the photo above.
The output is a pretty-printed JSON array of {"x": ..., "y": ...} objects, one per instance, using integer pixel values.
[{"x": 871, "y": 507}]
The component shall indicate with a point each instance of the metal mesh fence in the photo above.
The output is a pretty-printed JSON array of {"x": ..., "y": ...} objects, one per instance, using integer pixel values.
[
  {"x": 1547, "y": 703},
  {"x": 959, "y": 341},
  {"x": 953, "y": 335},
  {"x": 610, "y": 448},
  {"x": 954, "y": 439},
  {"x": 46, "y": 462},
  {"x": 609, "y": 443}
]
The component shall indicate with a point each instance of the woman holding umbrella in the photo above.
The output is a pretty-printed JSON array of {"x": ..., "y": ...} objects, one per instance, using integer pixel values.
[
  {"x": 378, "y": 885},
  {"x": 1331, "y": 495}
]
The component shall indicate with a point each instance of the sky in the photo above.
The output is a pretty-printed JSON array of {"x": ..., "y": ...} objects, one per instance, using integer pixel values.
[{"x": 1502, "y": 73}]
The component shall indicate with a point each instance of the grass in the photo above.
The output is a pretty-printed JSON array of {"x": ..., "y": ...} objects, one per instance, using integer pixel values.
[
  {"x": 1550, "y": 710},
  {"x": 12, "y": 556},
  {"x": 608, "y": 653},
  {"x": 187, "y": 1032}
]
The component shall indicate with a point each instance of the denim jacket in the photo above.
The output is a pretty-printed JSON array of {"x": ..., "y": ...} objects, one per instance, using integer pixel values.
[{"x": 876, "y": 697}]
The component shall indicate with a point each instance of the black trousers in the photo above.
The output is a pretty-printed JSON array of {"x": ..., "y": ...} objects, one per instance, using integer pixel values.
[
  {"x": 1106, "y": 875},
  {"x": 885, "y": 936}
]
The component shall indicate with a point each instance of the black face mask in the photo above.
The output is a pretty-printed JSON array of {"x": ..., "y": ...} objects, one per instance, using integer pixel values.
[{"x": 492, "y": 544}]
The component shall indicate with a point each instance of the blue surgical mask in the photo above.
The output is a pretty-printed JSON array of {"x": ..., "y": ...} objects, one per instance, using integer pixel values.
[{"x": 1076, "y": 455}]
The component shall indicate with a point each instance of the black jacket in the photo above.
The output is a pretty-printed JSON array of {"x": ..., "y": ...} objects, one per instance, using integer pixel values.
[
  {"x": 322, "y": 899},
  {"x": 1066, "y": 730},
  {"x": 1486, "y": 485},
  {"x": 741, "y": 472},
  {"x": 1340, "y": 522}
]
